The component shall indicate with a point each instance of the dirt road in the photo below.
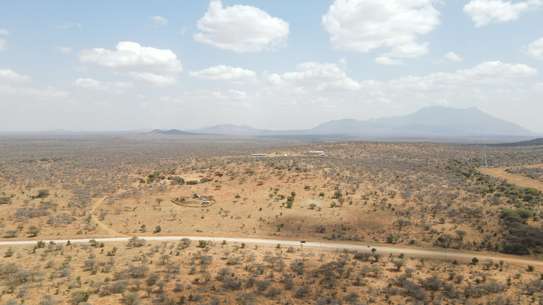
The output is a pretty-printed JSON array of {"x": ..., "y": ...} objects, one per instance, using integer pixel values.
[
  {"x": 440, "y": 254},
  {"x": 96, "y": 204},
  {"x": 516, "y": 179}
]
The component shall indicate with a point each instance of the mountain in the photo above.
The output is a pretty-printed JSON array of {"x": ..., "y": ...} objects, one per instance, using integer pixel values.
[
  {"x": 171, "y": 132},
  {"x": 232, "y": 130},
  {"x": 435, "y": 121},
  {"x": 534, "y": 142}
]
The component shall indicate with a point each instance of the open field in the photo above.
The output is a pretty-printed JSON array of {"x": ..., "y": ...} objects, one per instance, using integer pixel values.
[{"x": 408, "y": 199}]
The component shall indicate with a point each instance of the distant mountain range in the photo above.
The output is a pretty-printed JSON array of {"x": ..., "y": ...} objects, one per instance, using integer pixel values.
[
  {"x": 534, "y": 142},
  {"x": 429, "y": 122},
  {"x": 232, "y": 130}
]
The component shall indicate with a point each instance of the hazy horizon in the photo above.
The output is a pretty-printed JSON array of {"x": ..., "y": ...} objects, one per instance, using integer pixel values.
[
  {"x": 280, "y": 65},
  {"x": 226, "y": 124}
]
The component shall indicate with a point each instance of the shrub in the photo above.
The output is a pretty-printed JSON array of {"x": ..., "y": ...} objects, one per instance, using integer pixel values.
[
  {"x": 297, "y": 266},
  {"x": 183, "y": 244},
  {"x": 5, "y": 200},
  {"x": 40, "y": 194},
  {"x": 48, "y": 300},
  {"x": 78, "y": 297},
  {"x": 301, "y": 292},
  {"x": 33, "y": 231},
  {"x": 135, "y": 242},
  {"x": 131, "y": 298}
]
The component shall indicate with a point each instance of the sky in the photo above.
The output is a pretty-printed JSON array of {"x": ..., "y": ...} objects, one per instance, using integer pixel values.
[{"x": 282, "y": 64}]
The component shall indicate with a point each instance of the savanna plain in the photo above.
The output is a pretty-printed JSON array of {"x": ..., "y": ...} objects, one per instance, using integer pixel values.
[{"x": 185, "y": 220}]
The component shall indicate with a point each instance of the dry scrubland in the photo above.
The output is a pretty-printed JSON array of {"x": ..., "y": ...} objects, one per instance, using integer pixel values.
[
  {"x": 417, "y": 195},
  {"x": 187, "y": 272}
]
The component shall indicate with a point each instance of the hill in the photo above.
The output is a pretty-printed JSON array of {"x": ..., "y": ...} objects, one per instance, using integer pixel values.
[
  {"x": 171, "y": 132},
  {"x": 428, "y": 122}
]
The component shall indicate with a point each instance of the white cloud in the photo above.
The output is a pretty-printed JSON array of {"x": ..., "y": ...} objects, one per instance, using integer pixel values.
[
  {"x": 154, "y": 79},
  {"x": 452, "y": 56},
  {"x": 535, "y": 49},
  {"x": 231, "y": 94},
  {"x": 14, "y": 84},
  {"x": 10, "y": 76},
  {"x": 391, "y": 26},
  {"x": 133, "y": 56},
  {"x": 487, "y": 74},
  {"x": 159, "y": 20},
  {"x": 313, "y": 75},
  {"x": 240, "y": 28},
  {"x": 387, "y": 61},
  {"x": 155, "y": 66},
  {"x": 93, "y": 84},
  {"x": 330, "y": 84},
  {"x": 89, "y": 83},
  {"x": 485, "y": 12},
  {"x": 223, "y": 72}
]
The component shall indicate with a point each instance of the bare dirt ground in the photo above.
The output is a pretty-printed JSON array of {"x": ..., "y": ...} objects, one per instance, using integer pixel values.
[{"x": 520, "y": 180}]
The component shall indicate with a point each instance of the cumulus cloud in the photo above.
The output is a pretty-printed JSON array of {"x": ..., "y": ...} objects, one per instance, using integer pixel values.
[
  {"x": 490, "y": 73},
  {"x": 452, "y": 56},
  {"x": 154, "y": 79},
  {"x": 387, "y": 61},
  {"x": 155, "y": 66},
  {"x": 313, "y": 75},
  {"x": 159, "y": 20},
  {"x": 10, "y": 76},
  {"x": 93, "y": 84},
  {"x": 230, "y": 94},
  {"x": 47, "y": 93},
  {"x": 14, "y": 84},
  {"x": 223, "y": 72},
  {"x": 329, "y": 83},
  {"x": 390, "y": 26},
  {"x": 240, "y": 28},
  {"x": 326, "y": 76},
  {"x": 131, "y": 55},
  {"x": 485, "y": 12},
  {"x": 535, "y": 49}
]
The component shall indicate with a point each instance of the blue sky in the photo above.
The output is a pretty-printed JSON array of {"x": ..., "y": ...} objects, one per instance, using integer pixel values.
[{"x": 271, "y": 64}]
